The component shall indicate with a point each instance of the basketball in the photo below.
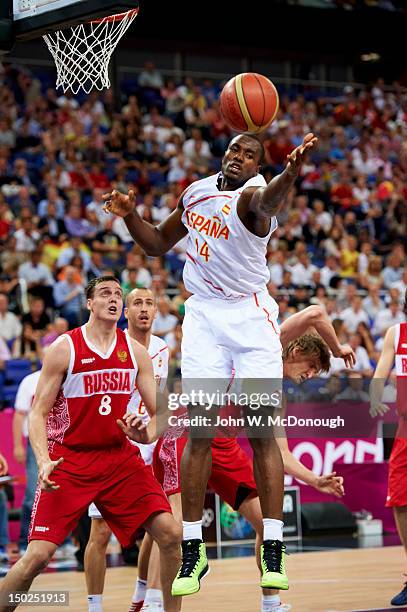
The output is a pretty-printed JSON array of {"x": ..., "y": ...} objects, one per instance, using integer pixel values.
[{"x": 249, "y": 102}]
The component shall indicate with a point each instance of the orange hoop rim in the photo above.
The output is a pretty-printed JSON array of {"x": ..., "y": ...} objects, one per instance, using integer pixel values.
[{"x": 118, "y": 17}]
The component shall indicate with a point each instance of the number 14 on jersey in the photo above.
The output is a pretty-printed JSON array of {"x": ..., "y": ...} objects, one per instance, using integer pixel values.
[{"x": 203, "y": 250}]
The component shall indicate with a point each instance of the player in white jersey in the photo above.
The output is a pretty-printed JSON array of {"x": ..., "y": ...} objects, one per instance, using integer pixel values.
[
  {"x": 141, "y": 309},
  {"x": 230, "y": 323}
]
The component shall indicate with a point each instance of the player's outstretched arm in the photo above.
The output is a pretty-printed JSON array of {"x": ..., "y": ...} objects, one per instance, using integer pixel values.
[
  {"x": 316, "y": 317},
  {"x": 145, "y": 378},
  {"x": 55, "y": 366},
  {"x": 154, "y": 240},
  {"x": 382, "y": 371},
  {"x": 330, "y": 483},
  {"x": 268, "y": 201}
]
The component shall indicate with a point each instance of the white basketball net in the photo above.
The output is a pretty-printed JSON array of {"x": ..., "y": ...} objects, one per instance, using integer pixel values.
[{"x": 82, "y": 52}]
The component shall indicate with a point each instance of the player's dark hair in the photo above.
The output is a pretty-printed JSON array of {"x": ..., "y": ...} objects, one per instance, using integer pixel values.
[
  {"x": 312, "y": 347},
  {"x": 259, "y": 145},
  {"x": 90, "y": 287}
]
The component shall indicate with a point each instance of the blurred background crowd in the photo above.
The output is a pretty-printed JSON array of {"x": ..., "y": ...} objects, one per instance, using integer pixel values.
[{"x": 341, "y": 242}]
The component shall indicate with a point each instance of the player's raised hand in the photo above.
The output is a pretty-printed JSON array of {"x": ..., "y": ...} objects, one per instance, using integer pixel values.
[
  {"x": 118, "y": 203},
  {"x": 347, "y": 354},
  {"x": 378, "y": 409},
  {"x": 296, "y": 157},
  {"x": 330, "y": 484},
  {"x": 44, "y": 472},
  {"x": 3, "y": 466}
]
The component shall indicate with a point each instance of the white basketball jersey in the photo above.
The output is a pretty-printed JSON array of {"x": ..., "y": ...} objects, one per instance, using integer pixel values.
[
  {"x": 224, "y": 259},
  {"x": 159, "y": 353}
]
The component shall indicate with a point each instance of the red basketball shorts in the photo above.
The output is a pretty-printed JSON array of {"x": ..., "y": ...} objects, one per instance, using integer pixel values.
[
  {"x": 397, "y": 487},
  {"x": 122, "y": 486},
  {"x": 232, "y": 472}
]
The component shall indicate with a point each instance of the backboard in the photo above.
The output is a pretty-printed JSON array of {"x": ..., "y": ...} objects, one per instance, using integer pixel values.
[{"x": 32, "y": 18}]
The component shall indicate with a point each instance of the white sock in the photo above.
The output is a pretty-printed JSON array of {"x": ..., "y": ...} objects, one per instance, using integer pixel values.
[
  {"x": 95, "y": 603},
  {"x": 154, "y": 596},
  {"x": 139, "y": 590},
  {"x": 192, "y": 531},
  {"x": 273, "y": 529},
  {"x": 269, "y": 602}
]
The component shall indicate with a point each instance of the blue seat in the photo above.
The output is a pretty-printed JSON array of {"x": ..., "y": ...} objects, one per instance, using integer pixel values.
[
  {"x": 9, "y": 395},
  {"x": 16, "y": 369}
]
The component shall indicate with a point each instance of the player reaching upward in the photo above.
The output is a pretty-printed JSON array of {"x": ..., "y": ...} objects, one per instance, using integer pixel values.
[
  {"x": 140, "y": 311},
  {"x": 83, "y": 455},
  {"x": 395, "y": 350},
  {"x": 229, "y": 219},
  {"x": 232, "y": 473}
]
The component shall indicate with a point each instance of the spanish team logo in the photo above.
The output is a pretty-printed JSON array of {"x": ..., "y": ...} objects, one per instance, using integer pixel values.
[{"x": 122, "y": 355}]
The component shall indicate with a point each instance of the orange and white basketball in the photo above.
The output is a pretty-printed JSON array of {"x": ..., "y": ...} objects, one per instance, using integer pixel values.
[{"x": 249, "y": 102}]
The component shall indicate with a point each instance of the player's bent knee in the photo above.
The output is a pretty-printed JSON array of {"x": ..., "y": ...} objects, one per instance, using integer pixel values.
[
  {"x": 36, "y": 560},
  {"x": 170, "y": 535},
  {"x": 100, "y": 533}
]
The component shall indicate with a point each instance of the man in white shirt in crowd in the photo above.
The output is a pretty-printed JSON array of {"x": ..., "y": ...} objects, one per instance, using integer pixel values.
[
  {"x": 393, "y": 270},
  {"x": 354, "y": 315},
  {"x": 393, "y": 315},
  {"x": 329, "y": 270},
  {"x": 26, "y": 237},
  {"x": 373, "y": 303},
  {"x": 362, "y": 363},
  {"x": 196, "y": 145},
  {"x": 37, "y": 276},
  {"x": 323, "y": 218},
  {"x": 401, "y": 285},
  {"x": 303, "y": 271},
  {"x": 276, "y": 265},
  {"x": 165, "y": 322},
  {"x": 142, "y": 275},
  {"x": 10, "y": 325}
]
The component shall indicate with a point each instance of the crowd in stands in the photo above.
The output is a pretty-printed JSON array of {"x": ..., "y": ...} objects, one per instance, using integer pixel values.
[{"x": 341, "y": 242}]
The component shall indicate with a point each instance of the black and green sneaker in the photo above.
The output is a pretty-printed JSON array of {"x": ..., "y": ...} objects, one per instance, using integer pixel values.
[
  {"x": 194, "y": 567},
  {"x": 272, "y": 553}
]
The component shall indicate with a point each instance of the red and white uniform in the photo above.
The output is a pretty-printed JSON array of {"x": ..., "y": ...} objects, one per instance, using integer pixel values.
[
  {"x": 99, "y": 464},
  {"x": 158, "y": 351},
  {"x": 397, "y": 488},
  {"x": 226, "y": 271},
  {"x": 232, "y": 471}
]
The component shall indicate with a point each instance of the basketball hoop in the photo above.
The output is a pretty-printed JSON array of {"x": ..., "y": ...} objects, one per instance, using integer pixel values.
[{"x": 82, "y": 52}]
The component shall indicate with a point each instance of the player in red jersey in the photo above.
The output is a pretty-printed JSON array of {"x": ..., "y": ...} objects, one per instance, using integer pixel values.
[
  {"x": 83, "y": 455},
  {"x": 395, "y": 350},
  {"x": 140, "y": 311},
  {"x": 232, "y": 471}
]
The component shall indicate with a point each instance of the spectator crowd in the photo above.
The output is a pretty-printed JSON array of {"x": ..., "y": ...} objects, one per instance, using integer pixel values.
[{"x": 341, "y": 242}]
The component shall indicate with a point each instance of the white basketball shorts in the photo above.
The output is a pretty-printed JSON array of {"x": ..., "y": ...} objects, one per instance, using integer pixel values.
[{"x": 220, "y": 337}]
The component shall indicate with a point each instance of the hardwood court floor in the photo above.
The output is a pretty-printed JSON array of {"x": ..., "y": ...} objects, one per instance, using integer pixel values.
[{"x": 334, "y": 581}]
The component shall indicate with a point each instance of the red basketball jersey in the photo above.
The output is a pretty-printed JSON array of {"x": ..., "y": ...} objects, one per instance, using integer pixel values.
[
  {"x": 400, "y": 341},
  {"x": 95, "y": 393}
]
